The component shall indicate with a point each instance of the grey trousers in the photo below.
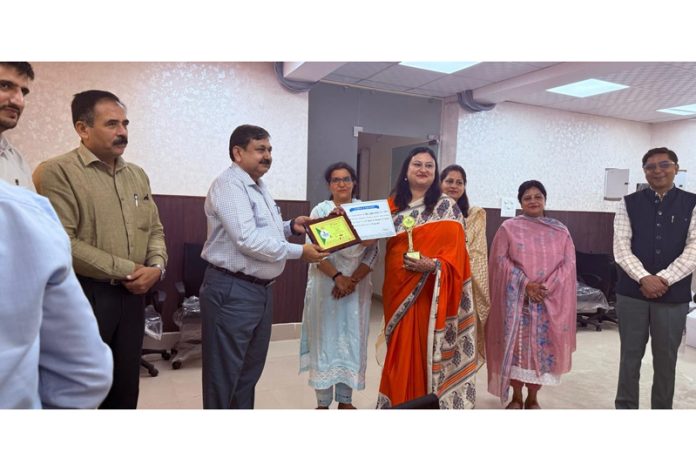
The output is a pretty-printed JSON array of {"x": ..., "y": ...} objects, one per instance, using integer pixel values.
[
  {"x": 236, "y": 322},
  {"x": 664, "y": 323}
]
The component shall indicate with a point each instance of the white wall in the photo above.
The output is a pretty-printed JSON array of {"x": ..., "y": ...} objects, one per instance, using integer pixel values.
[
  {"x": 182, "y": 115},
  {"x": 567, "y": 152}
]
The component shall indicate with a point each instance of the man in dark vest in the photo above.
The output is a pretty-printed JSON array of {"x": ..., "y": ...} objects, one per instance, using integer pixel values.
[{"x": 655, "y": 247}]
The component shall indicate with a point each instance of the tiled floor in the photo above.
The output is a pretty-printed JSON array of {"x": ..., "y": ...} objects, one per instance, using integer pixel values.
[{"x": 590, "y": 385}]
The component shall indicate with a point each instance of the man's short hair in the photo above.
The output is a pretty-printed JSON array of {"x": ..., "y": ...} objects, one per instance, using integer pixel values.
[
  {"x": 661, "y": 150},
  {"x": 83, "y": 105},
  {"x": 243, "y": 134},
  {"x": 23, "y": 68}
]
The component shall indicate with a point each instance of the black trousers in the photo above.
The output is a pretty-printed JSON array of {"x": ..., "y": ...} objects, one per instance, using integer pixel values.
[{"x": 121, "y": 319}]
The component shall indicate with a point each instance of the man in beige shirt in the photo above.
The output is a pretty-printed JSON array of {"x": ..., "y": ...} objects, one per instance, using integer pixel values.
[
  {"x": 105, "y": 204},
  {"x": 14, "y": 86}
]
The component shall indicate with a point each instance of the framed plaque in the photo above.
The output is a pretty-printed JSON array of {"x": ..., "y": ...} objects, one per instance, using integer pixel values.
[{"x": 332, "y": 233}]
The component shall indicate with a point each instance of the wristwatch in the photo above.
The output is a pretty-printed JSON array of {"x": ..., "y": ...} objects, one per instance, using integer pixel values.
[{"x": 163, "y": 272}]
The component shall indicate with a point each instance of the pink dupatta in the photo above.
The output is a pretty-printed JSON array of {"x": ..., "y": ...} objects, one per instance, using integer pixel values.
[{"x": 540, "y": 250}]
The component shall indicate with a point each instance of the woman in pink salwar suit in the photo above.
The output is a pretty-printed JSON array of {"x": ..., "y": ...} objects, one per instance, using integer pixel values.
[{"x": 530, "y": 334}]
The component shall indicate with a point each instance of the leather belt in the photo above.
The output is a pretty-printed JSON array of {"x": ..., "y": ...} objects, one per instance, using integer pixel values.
[{"x": 243, "y": 276}]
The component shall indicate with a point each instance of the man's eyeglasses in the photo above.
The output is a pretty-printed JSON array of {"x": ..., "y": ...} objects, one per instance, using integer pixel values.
[
  {"x": 336, "y": 180},
  {"x": 664, "y": 165}
]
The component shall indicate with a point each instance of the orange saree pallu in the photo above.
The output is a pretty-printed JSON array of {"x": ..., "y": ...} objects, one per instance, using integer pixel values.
[{"x": 429, "y": 318}]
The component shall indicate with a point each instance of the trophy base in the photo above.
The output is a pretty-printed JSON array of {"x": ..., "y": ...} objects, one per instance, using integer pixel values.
[{"x": 413, "y": 255}]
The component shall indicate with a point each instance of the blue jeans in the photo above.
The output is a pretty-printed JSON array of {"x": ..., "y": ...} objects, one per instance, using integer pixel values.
[{"x": 344, "y": 395}]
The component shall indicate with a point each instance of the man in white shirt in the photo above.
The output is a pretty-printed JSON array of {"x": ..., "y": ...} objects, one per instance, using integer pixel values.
[
  {"x": 14, "y": 86},
  {"x": 655, "y": 247},
  {"x": 247, "y": 250}
]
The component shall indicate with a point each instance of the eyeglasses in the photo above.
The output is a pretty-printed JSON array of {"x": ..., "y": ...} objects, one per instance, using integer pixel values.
[
  {"x": 428, "y": 166},
  {"x": 336, "y": 180},
  {"x": 664, "y": 165}
]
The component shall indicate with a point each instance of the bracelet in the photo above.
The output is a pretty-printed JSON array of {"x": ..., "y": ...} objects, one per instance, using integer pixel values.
[{"x": 333, "y": 278}]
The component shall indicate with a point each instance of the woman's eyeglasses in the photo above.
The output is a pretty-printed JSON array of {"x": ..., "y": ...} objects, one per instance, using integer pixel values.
[
  {"x": 664, "y": 165},
  {"x": 336, "y": 180}
]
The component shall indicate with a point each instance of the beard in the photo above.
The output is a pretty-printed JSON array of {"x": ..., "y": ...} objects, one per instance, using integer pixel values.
[{"x": 9, "y": 123}]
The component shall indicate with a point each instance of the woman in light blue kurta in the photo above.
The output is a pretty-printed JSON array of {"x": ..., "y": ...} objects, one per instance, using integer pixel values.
[{"x": 335, "y": 321}]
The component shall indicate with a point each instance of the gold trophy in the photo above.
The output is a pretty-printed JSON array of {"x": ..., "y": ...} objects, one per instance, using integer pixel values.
[{"x": 408, "y": 224}]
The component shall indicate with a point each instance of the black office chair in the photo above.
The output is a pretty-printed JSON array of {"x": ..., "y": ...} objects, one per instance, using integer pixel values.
[
  {"x": 156, "y": 299},
  {"x": 598, "y": 271},
  {"x": 193, "y": 272},
  {"x": 189, "y": 344}
]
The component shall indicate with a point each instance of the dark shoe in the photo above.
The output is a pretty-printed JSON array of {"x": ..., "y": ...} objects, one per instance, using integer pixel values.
[
  {"x": 341, "y": 405},
  {"x": 321, "y": 407}
]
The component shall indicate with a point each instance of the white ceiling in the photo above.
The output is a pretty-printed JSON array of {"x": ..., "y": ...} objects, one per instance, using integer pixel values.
[{"x": 652, "y": 85}]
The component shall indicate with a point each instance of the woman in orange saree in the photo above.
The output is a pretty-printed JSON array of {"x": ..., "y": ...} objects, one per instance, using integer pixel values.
[{"x": 428, "y": 309}]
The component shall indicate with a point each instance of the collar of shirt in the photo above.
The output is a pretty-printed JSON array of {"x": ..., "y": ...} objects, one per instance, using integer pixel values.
[
  {"x": 4, "y": 144},
  {"x": 662, "y": 196},
  {"x": 88, "y": 158},
  {"x": 245, "y": 177}
]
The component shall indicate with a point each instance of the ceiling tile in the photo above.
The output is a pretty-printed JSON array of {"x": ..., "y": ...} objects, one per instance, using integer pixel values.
[
  {"x": 653, "y": 85},
  {"x": 409, "y": 77},
  {"x": 363, "y": 70},
  {"x": 452, "y": 84},
  {"x": 383, "y": 86},
  {"x": 341, "y": 78},
  {"x": 496, "y": 71}
]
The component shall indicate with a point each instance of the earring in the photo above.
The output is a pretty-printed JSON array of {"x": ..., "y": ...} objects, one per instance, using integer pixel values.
[{"x": 405, "y": 179}]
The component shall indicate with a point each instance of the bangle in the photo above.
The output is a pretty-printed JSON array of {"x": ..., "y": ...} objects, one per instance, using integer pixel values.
[{"x": 333, "y": 278}]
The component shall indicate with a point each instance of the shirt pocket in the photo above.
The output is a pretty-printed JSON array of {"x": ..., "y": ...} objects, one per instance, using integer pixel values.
[
  {"x": 143, "y": 212},
  {"x": 262, "y": 218}
]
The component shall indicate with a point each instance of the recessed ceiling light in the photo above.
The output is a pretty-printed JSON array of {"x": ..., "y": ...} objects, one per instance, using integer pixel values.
[
  {"x": 444, "y": 67},
  {"x": 684, "y": 110},
  {"x": 585, "y": 88}
]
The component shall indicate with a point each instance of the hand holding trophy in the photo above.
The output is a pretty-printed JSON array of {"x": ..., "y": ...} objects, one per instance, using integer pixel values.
[{"x": 409, "y": 222}]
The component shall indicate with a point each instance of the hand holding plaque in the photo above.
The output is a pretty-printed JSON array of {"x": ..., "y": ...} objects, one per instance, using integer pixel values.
[
  {"x": 332, "y": 233},
  {"x": 409, "y": 224}
]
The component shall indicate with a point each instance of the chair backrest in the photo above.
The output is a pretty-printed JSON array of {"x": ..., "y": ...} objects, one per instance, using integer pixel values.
[
  {"x": 194, "y": 268},
  {"x": 602, "y": 266}
]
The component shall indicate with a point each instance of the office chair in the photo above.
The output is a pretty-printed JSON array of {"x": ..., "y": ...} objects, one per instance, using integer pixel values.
[
  {"x": 189, "y": 344},
  {"x": 193, "y": 272},
  {"x": 598, "y": 271},
  {"x": 156, "y": 299}
]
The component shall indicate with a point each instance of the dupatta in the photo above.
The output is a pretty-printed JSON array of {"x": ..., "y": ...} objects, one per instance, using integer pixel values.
[
  {"x": 429, "y": 317},
  {"x": 527, "y": 249}
]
